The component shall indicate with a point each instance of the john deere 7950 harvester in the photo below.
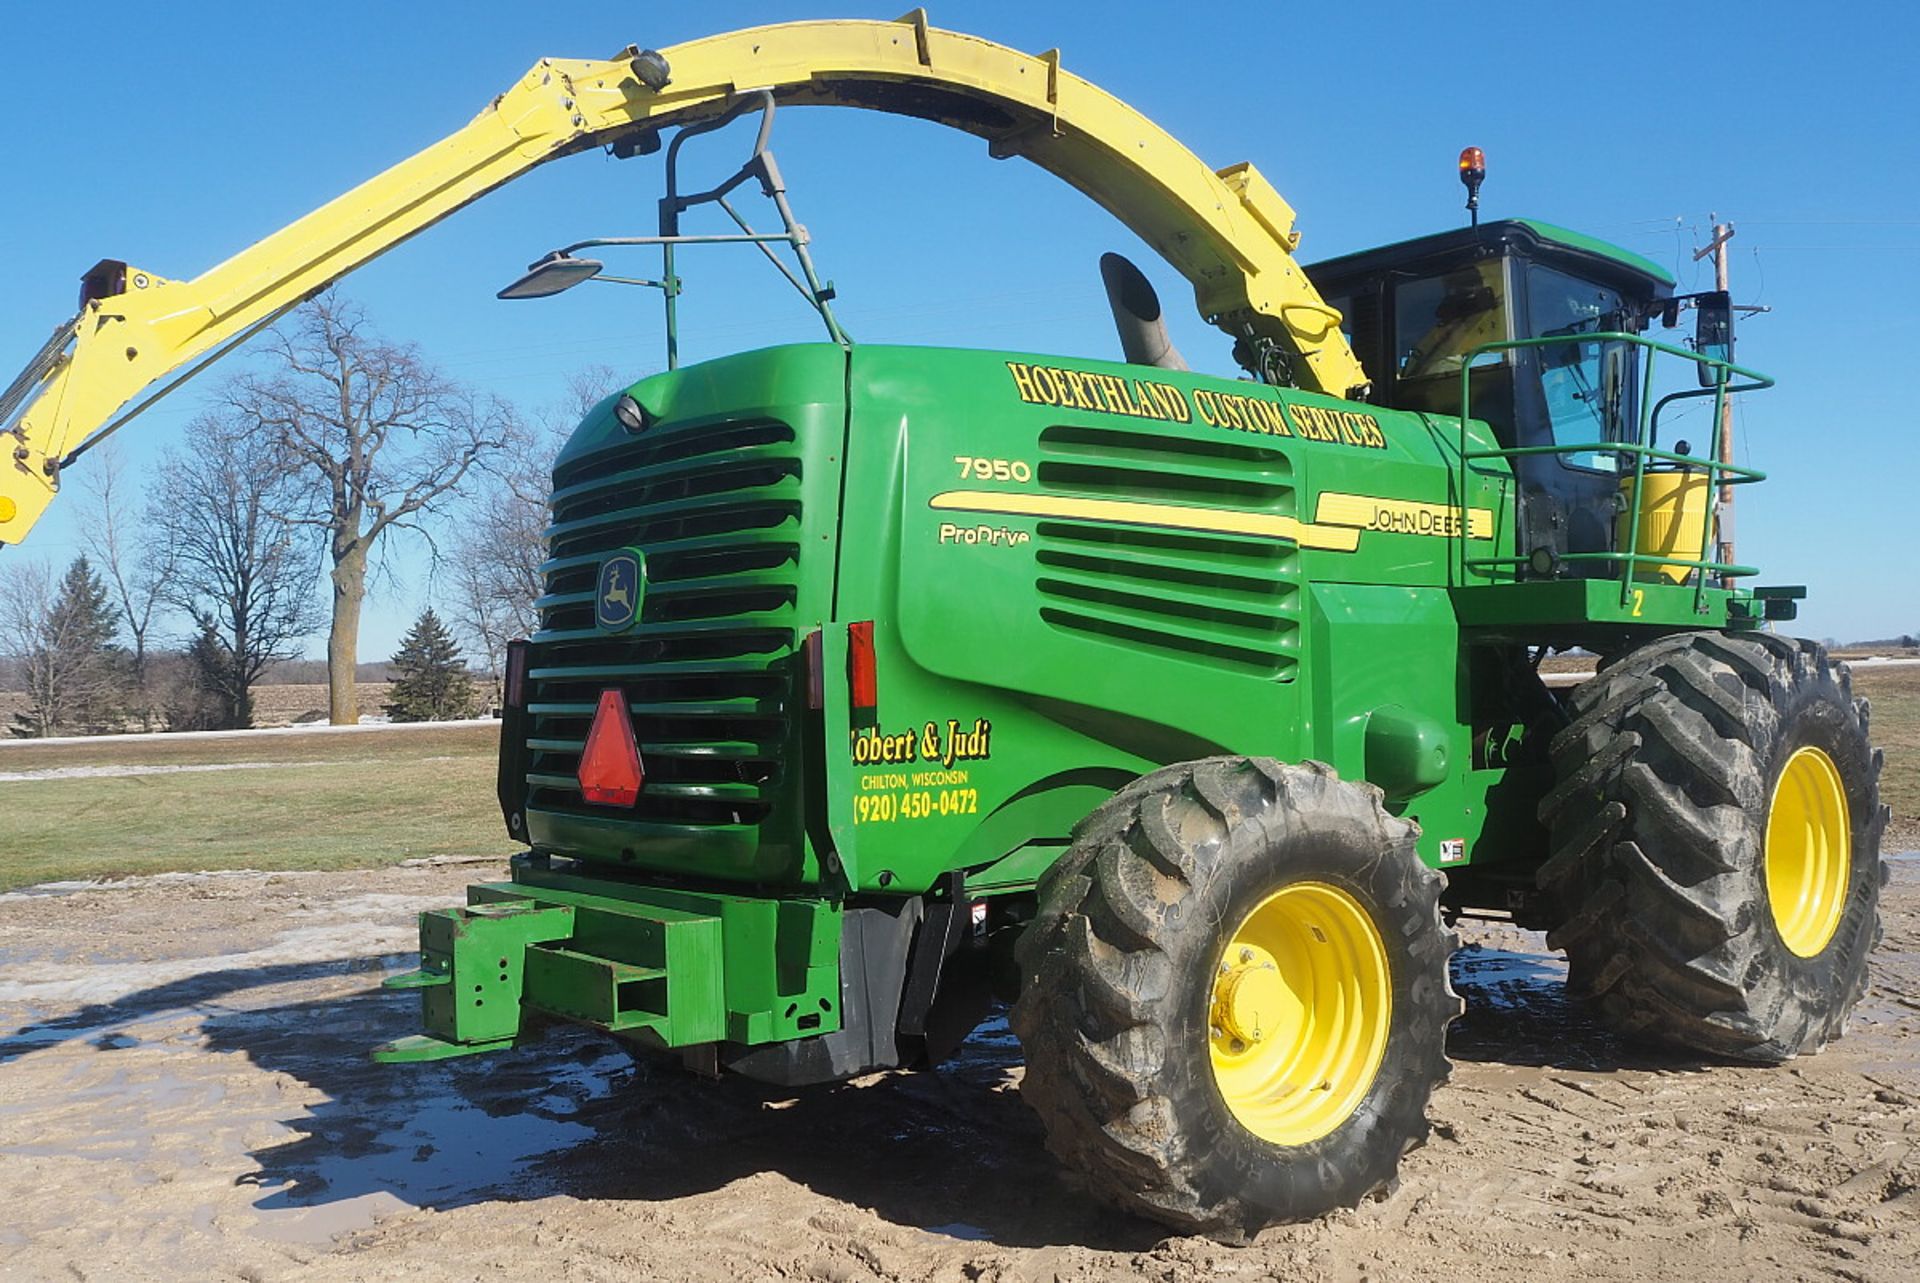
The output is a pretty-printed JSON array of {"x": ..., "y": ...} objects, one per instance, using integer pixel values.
[{"x": 1183, "y": 711}]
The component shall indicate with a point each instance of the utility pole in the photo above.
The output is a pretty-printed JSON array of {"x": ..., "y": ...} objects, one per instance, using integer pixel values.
[{"x": 1722, "y": 233}]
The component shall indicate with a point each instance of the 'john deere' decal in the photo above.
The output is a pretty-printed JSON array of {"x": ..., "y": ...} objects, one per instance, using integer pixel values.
[{"x": 623, "y": 580}]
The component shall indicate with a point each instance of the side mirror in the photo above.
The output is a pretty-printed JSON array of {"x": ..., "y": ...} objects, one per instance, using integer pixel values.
[
  {"x": 1613, "y": 393},
  {"x": 1713, "y": 333}
]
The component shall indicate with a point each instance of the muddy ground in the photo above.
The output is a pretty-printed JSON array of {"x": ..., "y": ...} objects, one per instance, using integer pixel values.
[{"x": 184, "y": 1094}]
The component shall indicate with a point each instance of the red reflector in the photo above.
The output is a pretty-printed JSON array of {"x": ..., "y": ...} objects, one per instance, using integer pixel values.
[
  {"x": 863, "y": 681},
  {"x": 610, "y": 772}
]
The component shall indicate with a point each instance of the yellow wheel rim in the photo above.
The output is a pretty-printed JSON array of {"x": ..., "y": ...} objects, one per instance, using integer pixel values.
[
  {"x": 1809, "y": 851},
  {"x": 1298, "y": 1013}
]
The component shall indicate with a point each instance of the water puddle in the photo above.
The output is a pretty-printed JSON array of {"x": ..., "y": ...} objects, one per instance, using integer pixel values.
[
  {"x": 1507, "y": 978},
  {"x": 446, "y": 1150},
  {"x": 451, "y": 1136}
]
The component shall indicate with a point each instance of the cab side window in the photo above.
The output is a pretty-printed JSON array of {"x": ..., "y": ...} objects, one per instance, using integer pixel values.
[{"x": 1589, "y": 387}]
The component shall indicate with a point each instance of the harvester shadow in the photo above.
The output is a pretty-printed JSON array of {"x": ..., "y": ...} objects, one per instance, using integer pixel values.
[
  {"x": 1519, "y": 1012},
  {"x": 953, "y": 1151},
  {"x": 106, "y": 1020}
]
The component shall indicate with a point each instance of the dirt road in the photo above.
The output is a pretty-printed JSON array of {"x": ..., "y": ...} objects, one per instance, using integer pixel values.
[{"x": 184, "y": 1094}]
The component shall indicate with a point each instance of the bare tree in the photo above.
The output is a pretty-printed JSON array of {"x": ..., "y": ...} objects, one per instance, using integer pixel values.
[
  {"x": 587, "y": 387},
  {"x": 241, "y": 571},
  {"x": 499, "y": 542},
  {"x": 136, "y": 570},
  {"x": 496, "y": 556},
  {"x": 385, "y": 436},
  {"x": 62, "y": 630},
  {"x": 26, "y": 616}
]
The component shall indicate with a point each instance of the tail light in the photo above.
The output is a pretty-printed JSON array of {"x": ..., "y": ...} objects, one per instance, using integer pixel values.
[
  {"x": 510, "y": 780},
  {"x": 863, "y": 680},
  {"x": 516, "y": 683}
]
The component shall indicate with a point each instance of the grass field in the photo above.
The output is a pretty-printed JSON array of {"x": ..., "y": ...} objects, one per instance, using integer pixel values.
[
  {"x": 324, "y": 801},
  {"x": 1895, "y": 696},
  {"x": 303, "y": 801}
]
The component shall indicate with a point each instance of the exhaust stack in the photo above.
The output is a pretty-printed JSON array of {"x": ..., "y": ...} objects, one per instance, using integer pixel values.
[{"x": 1136, "y": 314}]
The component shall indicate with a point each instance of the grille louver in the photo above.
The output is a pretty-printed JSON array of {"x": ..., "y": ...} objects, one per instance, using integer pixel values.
[{"x": 1217, "y": 599}]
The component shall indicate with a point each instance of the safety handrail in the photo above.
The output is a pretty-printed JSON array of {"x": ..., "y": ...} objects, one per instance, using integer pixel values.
[{"x": 1719, "y": 474}]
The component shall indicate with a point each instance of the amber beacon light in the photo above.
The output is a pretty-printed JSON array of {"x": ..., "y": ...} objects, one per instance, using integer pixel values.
[{"x": 1473, "y": 172}]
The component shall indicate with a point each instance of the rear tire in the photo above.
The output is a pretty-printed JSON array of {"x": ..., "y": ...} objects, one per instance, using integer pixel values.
[
  {"x": 1235, "y": 996},
  {"x": 1715, "y": 862}
]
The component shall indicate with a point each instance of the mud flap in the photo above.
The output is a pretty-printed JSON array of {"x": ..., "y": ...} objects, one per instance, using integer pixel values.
[{"x": 873, "y": 971}]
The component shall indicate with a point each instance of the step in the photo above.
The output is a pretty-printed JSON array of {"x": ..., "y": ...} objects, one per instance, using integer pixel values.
[{"x": 674, "y": 998}]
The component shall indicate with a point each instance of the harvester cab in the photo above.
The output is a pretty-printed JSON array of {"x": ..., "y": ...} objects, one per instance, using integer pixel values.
[{"x": 1538, "y": 332}]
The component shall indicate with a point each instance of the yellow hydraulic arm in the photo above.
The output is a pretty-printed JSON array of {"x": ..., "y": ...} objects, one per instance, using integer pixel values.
[{"x": 1229, "y": 232}]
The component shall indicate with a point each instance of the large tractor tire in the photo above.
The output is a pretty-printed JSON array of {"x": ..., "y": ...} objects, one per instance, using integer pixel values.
[
  {"x": 1715, "y": 856},
  {"x": 1234, "y": 996}
]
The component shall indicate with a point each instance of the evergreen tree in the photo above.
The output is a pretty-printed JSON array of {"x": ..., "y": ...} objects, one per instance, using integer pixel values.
[
  {"x": 182, "y": 688},
  {"x": 430, "y": 679},
  {"x": 77, "y": 678},
  {"x": 222, "y": 698}
]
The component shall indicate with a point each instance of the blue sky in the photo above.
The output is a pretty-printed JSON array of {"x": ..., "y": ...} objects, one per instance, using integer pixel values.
[{"x": 173, "y": 136}]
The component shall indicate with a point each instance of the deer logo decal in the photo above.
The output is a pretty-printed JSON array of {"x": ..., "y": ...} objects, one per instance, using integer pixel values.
[{"x": 623, "y": 578}]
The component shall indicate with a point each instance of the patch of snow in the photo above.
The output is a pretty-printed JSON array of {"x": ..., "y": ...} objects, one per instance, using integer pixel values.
[
  {"x": 310, "y": 728},
  {"x": 140, "y": 881},
  {"x": 113, "y": 772},
  {"x": 360, "y": 926}
]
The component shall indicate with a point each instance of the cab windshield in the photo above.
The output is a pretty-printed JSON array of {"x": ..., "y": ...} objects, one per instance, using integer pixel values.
[{"x": 1439, "y": 319}]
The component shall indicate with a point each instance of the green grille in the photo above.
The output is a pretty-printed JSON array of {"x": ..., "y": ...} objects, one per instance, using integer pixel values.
[{"x": 706, "y": 669}]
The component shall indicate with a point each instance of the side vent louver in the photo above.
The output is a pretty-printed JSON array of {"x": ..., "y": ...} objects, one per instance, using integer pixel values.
[{"x": 1223, "y": 600}]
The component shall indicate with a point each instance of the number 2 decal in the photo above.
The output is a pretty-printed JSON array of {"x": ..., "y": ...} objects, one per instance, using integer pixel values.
[{"x": 1639, "y": 600}]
